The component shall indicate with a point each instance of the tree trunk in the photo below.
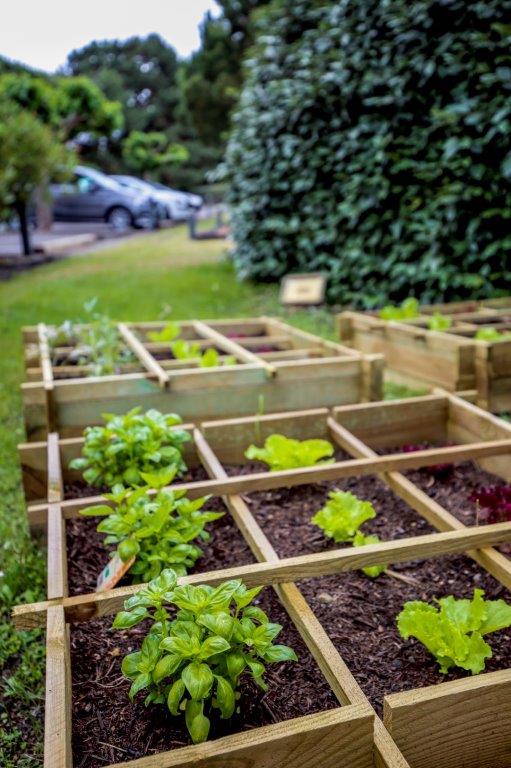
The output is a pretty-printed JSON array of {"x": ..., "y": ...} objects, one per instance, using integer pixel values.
[
  {"x": 44, "y": 208},
  {"x": 21, "y": 210}
]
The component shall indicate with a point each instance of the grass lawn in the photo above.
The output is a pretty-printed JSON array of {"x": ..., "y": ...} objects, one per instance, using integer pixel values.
[{"x": 140, "y": 279}]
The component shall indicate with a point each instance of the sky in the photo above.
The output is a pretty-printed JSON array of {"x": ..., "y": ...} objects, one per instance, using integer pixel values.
[{"x": 41, "y": 33}]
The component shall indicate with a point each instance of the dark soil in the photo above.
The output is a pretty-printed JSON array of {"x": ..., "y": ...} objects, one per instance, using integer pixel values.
[
  {"x": 359, "y": 613},
  {"x": 108, "y": 728},
  {"x": 454, "y": 490},
  {"x": 284, "y": 514},
  {"x": 87, "y": 554}
]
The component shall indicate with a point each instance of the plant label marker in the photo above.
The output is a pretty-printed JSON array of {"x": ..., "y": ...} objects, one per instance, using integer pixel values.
[{"x": 113, "y": 572}]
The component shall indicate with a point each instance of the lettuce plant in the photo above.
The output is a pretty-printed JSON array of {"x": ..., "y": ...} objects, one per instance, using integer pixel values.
[
  {"x": 340, "y": 519},
  {"x": 495, "y": 500},
  {"x": 453, "y": 630},
  {"x": 280, "y": 452},
  {"x": 407, "y": 310},
  {"x": 129, "y": 445},
  {"x": 439, "y": 322},
  {"x": 168, "y": 333},
  {"x": 210, "y": 358},
  {"x": 192, "y": 660},
  {"x": 160, "y": 531},
  {"x": 492, "y": 334}
]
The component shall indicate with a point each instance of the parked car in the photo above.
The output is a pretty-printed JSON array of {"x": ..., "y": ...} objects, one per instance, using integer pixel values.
[
  {"x": 140, "y": 186},
  {"x": 94, "y": 196},
  {"x": 175, "y": 204},
  {"x": 183, "y": 203}
]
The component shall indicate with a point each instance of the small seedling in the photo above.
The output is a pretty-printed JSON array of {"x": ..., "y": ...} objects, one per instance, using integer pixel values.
[
  {"x": 492, "y": 334},
  {"x": 340, "y": 519},
  {"x": 168, "y": 333},
  {"x": 280, "y": 452},
  {"x": 129, "y": 445},
  {"x": 193, "y": 663},
  {"x": 159, "y": 530},
  {"x": 439, "y": 322},
  {"x": 210, "y": 358},
  {"x": 407, "y": 310},
  {"x": 495, "y": 500},
  {"x": 453, "y": 630}
]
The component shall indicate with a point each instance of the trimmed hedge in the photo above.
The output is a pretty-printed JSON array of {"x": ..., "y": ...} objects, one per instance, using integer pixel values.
[{"x": 372, "y": 142}]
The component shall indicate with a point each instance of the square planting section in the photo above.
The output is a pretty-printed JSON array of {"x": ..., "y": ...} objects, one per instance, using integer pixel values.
[
  {"x": 458, "y": 358},
  {"x": 346, "y": 621},
  {"x": 259, "y": 360}
]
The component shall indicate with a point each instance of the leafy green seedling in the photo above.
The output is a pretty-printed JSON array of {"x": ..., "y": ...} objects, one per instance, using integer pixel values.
[
  {"x": 160, "y": 531},
  {"x": 492, "y": 334},
  {"x": 340, "y": 519},
  {"x": 97, "y": 342},
  {"x": 129, "y": 445},
  {"x": 439, "y": 322},
  {"x": 280, "y": 452},
  {"x": 168, "y": 333},
  {"x": 193, "y": 663},
  {"x": 407, "y": 310},
  {"x": 210, "y": 358},
  {"x": 453, "y": 632}
]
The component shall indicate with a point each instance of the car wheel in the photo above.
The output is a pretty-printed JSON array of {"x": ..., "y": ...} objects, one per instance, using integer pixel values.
[{"x": 119, "y": 219}]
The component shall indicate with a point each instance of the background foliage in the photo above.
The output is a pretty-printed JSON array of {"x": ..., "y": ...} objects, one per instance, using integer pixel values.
[{"x": 372, "y": 142}]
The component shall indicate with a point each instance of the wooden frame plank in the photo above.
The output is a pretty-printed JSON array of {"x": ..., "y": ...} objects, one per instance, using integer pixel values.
[
  {"x": 263, "y": 481},
  {"x": 231, "y": 347},
  {"x": 463, "y": 722},
  {"x": 57, "y": 719},
  {"x": 330, "y": 562},
  {"x": 145, "y": 358},
  {"x": 309, "y": 741}
]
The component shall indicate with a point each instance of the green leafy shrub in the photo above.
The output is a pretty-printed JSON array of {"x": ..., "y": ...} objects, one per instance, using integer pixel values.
[
  {"x": 193, "y": 663},
  {"x": 130, "y": 445},
  {"x": 439, "y": 322},
  {"x": 492, "y": 334},
  {"x": 157, "y": 530},
  {"x": 340, "y": 519},
  {"x": 453, "y": 632},
  {"x": 372, "y": 143},
  {"x": 280, "y": 452},
  {"x": 407, "y": 310}
]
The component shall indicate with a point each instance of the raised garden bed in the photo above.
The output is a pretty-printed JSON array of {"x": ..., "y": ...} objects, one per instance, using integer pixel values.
[
  {"x": 266, "y": 361},
  {"x": 452, "y": 358},
  {"x": 422, "y": 541}
]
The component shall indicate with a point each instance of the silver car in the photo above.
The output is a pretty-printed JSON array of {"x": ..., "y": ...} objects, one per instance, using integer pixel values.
[{"x": 94, "y": 196}]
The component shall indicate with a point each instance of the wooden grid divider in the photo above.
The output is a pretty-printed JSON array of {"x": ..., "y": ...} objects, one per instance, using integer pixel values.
[
  {"x": 453, "y": 358},
  {"x": 66, "y": 398},
  {"x": 453, "y": 537}
]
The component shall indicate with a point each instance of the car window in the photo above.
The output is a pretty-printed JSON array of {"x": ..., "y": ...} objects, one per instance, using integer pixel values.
[{"x": 85, "y": 185}]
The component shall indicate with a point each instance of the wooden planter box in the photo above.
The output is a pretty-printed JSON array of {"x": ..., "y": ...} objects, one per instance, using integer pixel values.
[
  {"x": 451, "y": 359},
  {"x": 415, "y": 720},
  {"x": 272, "y": 357}
]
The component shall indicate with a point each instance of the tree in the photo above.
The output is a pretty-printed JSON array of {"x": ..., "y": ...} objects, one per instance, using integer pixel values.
[
  {"x": 146, "y": 152},
  {"x": 139, "y": 72},
  {"x": 29, "y": 154},
  {"x": 214, "y": 74},
  {"x": 372, "y": 142}
]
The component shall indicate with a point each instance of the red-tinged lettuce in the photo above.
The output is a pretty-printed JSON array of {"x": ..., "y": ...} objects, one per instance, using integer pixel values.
[
  {"x": 281, "y": 452},
  {"x": 438, "y": 471},
  {"x": 453, "y": 632},
  {"x": 495, "y": 501}
]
